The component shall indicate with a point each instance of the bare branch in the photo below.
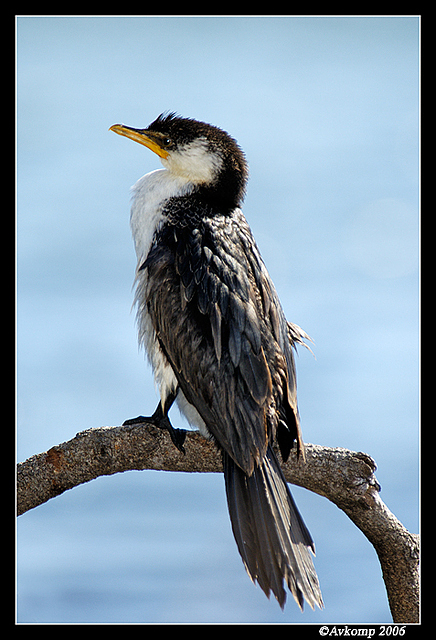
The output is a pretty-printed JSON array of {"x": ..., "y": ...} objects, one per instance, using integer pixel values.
[
  {"x": 347, "y": 479},
  {"x": 344, "y": 477}
]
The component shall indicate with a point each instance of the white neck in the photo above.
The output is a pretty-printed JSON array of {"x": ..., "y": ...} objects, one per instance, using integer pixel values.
[
  {"x": 195, "y": 162},
  {"x": 149, "y": 195}
]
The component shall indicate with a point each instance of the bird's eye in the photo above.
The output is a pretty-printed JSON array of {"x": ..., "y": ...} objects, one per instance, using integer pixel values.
[{"x": 166, "y": 142}]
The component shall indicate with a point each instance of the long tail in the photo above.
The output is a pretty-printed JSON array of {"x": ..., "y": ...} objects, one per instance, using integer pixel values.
[{"x": 270, "y": 533}]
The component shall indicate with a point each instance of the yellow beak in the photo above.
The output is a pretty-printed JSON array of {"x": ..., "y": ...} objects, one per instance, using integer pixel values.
[{"x": 148, "y": 139}]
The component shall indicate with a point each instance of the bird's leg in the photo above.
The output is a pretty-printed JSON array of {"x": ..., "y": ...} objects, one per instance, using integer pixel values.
[{"x": 160, "y": 419}]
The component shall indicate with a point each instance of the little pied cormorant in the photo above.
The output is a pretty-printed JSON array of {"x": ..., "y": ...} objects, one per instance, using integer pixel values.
[{"x": 218, "y": 341}]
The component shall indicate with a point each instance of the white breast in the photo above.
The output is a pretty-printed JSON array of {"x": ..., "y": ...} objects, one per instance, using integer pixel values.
[{"x": 149, "y": 196}]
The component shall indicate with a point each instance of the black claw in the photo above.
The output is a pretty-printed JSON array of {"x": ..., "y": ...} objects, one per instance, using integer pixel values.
[
  {"x": 138, "y": 420},
  {"x": 177, "y": 435},
  {"x": 158, "y": 419}
]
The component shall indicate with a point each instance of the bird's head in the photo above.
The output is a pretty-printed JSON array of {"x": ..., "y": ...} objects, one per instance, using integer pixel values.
[{"x": 204, "y": 155}]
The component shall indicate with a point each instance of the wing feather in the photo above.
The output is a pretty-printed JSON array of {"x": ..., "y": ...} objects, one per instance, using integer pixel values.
[{"x": 220, "y": 325}]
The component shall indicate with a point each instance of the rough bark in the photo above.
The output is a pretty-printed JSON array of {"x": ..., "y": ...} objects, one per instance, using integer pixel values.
[{"x": 344, "y": 477}]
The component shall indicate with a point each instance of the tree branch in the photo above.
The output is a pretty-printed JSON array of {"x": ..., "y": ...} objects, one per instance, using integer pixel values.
[{"x": 344, "y": 477}]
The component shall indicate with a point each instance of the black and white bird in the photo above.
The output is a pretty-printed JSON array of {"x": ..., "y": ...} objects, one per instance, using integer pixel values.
[{"x": 218, "y": 341}]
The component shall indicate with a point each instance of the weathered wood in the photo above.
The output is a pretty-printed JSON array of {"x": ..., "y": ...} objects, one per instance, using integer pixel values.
[{"x": 344, "y": 477}]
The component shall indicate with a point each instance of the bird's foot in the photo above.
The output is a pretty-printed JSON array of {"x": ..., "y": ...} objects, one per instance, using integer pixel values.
[{"x": 162, "y": 422}]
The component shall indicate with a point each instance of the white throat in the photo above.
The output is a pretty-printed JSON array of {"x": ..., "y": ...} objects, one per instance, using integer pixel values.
[
  {"x": 195, "y": 161},
  {"x": 189, "y": 166}
]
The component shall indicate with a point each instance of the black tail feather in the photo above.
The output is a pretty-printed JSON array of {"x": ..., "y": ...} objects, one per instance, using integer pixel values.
[{"x": 270, "y": 533}]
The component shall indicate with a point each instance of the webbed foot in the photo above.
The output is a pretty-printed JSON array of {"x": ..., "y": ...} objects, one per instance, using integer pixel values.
[{"x": 158, "y": 419}]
